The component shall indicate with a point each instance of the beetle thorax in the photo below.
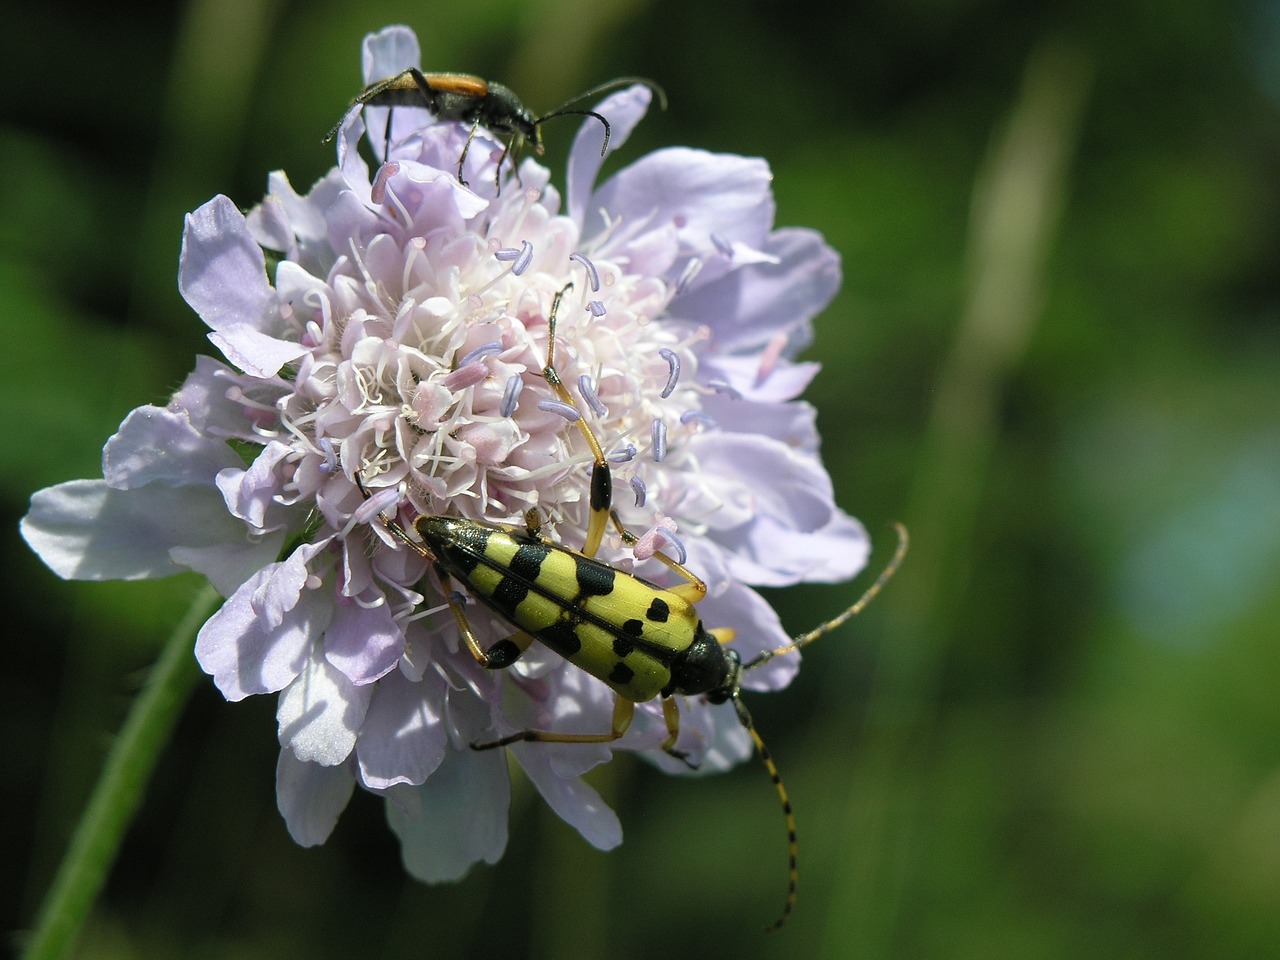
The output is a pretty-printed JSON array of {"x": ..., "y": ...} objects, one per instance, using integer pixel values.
[
  {"x": 502, "y": 112},
  {"x": 704, "y": 667}
]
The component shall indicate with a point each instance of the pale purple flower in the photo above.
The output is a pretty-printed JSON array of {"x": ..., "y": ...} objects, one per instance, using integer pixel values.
[{"x": 400, "y": 337}]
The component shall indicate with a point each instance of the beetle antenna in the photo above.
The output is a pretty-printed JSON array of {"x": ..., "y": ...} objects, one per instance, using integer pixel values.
[
  {"x": 608, "y": 85},
  {"x": 579, "y": 113},
  {"x": 806, "y": 638},
  {"x": 793, "y": 844}
]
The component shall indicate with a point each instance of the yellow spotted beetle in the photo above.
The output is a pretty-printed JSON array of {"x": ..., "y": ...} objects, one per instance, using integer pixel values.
[
  {"x": 480, "y": 102},
  {"x": 641, "y": 639}
]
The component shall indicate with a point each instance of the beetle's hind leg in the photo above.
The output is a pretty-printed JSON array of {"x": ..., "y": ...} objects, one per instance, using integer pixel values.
[{"x": 623, "y": 712}]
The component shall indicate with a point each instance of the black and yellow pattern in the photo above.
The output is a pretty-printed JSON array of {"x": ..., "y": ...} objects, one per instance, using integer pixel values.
[{"x": 618, "y": 627}]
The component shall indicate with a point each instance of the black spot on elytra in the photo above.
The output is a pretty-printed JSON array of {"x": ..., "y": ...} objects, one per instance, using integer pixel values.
[
  {"x": 658, "y": 611},
  {"x": 509, "y": 592},
  {"x": 467, "y": 548},
  {"x": 594, "y": 579},
  {"x": 562, "y": 638},
  {"x": 633, "y": 628},
  {"x": 621, "y": 673},
  {"x": 528, "y": 560},
  {"x": 623, "y": 645}
]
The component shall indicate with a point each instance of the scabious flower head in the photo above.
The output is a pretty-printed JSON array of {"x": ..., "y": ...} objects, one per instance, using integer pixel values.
[{"x": 393, "y": 328}]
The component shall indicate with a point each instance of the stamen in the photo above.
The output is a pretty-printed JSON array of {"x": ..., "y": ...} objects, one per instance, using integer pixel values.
[
  {"x": 330, "y": 456},
  {"x": 511, "y": 395},
  {"x": 691, "y": 270},
  {"x": 372, "y": 604},
  {"x": 236, "y": 395},
  {"x": 566, "y": 410},
  {"x": 597, "y": 308},
  {"x": 723, "y": 245},
  {"x": 593, "y": 275},
  {"x": 641, "y": 491},
  {"x": 589, "y": 394},
  {"x": 723, "y": 386},
  {"x": 673, "y": 363},
  {"x": 464, "y": 377},
  {"x": 458, "y": 597},
  {"x": 659, "y": 431},
  {"x": 698, "y": 416},
  {"x": 624, "y": 455},
  {"x": 770, "y": 356},
  {"x": 661, "y": 534},
  {"x": 669, "y": 538},
  {"x": 480, "y": 352},
  {"x": 519, "y": 259},
  {"x": 378, "y": 503},
  {"x": 378, "y": 192},
  {"x": 526, "y": 258},
  {"x": 418, "y": 612}
]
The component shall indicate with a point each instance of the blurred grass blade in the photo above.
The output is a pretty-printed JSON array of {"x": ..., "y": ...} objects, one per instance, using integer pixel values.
[
  {"x": 119, "y": 790},
  {"x": 1017, "y": 201}
]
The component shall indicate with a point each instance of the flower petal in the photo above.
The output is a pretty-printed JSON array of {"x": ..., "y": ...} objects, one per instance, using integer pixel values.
[
  {"x": 403, "y": 737},
  {"x": 320, "y": 712},
  {"x": 84, "y": 530},
  {"x": 251, "y": 493},
  {"x": 758, "y": 629},
  {"x": 702, "y": 194},
  {"x": 310, "y": 797},
  {"x": 386, "y": 53},
  {"x": 576, "y": 803},
  {"x": 259, "y": 640},
  {"x": 785, "y": 381},
  {"x": 624, "y": 109},
  {"x": 748, "y": 307},
  {"x": 253, "y": 351},
  {"x": 228, "y": 565},
  {"x": 204, "y": 400},
  {"x": 454, "y": 820},
  {"x": 794, "y": 423},
  {"x": 770, "y": 553},
  {"x": 222, "y": 272},
  {"x": 363, "y": 640},
  {"x": 156, "y": 445}
]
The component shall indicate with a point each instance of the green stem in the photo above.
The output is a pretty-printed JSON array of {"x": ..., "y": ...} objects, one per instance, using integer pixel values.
[{"x": 119, "y": 791}]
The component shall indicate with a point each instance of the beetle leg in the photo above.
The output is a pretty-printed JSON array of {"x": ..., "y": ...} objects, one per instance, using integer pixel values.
[
  {"x": 693, "y": 589},
  {"x": 503, "y": 653},
  {"x": 723, "y": 635},
  {"x": 671, "y": 714},
  {"x": 429, "y": 93},
  {"x": 466, "y": 147},
  {"x": 601, "y": 492},
  {"x": 623, "y": 711},
  {"x": 509, "y": 150}
]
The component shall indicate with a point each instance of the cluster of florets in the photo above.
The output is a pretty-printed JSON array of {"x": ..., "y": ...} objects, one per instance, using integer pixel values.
[{"x": 401, "y": 343}]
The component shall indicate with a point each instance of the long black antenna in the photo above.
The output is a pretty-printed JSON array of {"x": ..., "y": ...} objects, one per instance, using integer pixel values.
[{"x": 615, "y": 84}]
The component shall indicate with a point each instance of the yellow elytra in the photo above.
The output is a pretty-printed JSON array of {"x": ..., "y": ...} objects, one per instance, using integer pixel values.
[{"x": 640, "y": 639}]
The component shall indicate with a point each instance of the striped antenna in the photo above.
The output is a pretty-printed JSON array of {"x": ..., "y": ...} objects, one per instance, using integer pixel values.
[
  {"x": 793, "y": 843},
  {"x": 853, "y": 611}
]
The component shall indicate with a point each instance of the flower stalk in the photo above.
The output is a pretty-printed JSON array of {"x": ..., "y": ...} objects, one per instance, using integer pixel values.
[{"x": 118, "y": 792}]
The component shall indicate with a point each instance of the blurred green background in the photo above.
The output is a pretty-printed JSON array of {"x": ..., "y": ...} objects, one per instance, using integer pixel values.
[{"x": 1055, "y": 357}]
